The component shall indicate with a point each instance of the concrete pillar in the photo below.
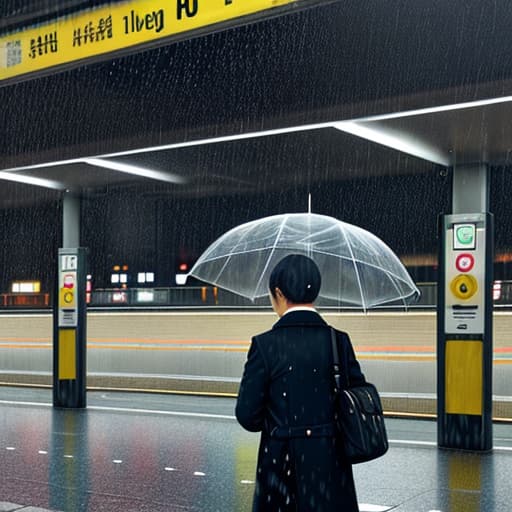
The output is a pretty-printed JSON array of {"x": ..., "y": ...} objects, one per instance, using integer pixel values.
[
  {"x": 70, "y": 220},
  {"x": 70, "y": 312},
  {"x": 470, "y": 189}
]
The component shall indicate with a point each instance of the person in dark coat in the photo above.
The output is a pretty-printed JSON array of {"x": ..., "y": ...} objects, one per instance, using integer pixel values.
[{"x": 287, "y": 391}]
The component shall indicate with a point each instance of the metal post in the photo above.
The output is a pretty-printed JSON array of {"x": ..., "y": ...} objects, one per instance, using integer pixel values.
[
  {"x": 69, "y": 313},
  {"x": 464, "y": 339},
  {"x": 70, "y": 220},
  {"x": 470, "y": 189}
]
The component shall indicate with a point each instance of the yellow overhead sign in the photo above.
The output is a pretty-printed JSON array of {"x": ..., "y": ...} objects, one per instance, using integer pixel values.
[{"x": 115, "y": 27}]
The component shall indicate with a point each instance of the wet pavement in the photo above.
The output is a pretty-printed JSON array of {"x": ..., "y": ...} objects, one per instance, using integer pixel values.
[{"x": 144, "y": 452}]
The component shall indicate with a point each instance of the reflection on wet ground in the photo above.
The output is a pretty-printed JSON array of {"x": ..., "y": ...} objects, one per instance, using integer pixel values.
[
  {"x": 79, "y": 460},
  {"x": 167, "y": 453}
]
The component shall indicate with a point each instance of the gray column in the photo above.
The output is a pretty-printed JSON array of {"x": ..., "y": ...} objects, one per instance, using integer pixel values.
[
  {"x": 69, "y": 312},
  {"x": 70, "y": 220},
  {"x": 470, "y": 193}
]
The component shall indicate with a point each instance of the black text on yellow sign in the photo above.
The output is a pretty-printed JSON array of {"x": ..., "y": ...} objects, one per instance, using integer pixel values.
[{"x": 115, "y": 27}]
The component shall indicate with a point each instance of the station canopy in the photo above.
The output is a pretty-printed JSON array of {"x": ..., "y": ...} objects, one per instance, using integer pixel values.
[{"x": 350, "y": 87}]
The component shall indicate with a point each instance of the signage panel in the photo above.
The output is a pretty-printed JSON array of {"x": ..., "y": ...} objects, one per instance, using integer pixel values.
[
  {"x": 465, "y": 262},
  {"x": 464, "y": 236},
  {"x": 70, "y": 329},
  {"x": 465, "y": 277},
  {"x": 464, "y": 332},
  {"x": 111, "y": 28},
  {"x": 68, "y": 310}
]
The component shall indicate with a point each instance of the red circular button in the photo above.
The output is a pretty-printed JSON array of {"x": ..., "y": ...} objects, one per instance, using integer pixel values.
[{"x": 465, "y": 262}]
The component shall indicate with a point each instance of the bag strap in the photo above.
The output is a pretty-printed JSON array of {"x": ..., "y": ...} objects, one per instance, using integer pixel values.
[{"x": 337, "y": 365}]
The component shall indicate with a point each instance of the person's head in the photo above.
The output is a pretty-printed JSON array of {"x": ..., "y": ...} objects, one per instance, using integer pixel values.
[{"x": 295, "y": 280}]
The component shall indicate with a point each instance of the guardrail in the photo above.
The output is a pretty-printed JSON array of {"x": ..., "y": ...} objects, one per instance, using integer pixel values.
[
  {"x": 184, "y": 296},
  {"x": 213, "y": 297}
]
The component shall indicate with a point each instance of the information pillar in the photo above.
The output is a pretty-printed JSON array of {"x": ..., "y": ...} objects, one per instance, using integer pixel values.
[
  {"x": 69, "y": 330},
  {"x": 464, "y": 344}
]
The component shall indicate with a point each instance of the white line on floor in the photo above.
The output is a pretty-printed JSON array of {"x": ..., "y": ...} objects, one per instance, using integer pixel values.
[
  {"x": 127, "y": 409},
  {"x": 412, "y": 442},
  {"x": 164, "y": 413},
  {"x": 404, "y": 442}
]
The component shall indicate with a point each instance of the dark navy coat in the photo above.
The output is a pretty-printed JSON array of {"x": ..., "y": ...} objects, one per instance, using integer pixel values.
[{"x": 287, "y": 382}]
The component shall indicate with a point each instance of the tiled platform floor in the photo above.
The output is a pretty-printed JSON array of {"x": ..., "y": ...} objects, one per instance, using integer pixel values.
[{"x": 163, "y": 453}]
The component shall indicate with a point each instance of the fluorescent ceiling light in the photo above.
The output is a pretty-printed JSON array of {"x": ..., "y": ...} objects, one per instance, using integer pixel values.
[
  {"x": 317, "y": 126},
  {"x": 43, "y": 166},
  {"x": 439, "y": 109},
  {"x": 401, "y": 142},
  {"x": 225, "y": 138},
  {"x": 133, "y": 169},
  {"x": 363, "y": 128},
  {"x": 99, "y": 160},
  {"x": 31, "y": 180},
  {"x": 354, "y": 126}
]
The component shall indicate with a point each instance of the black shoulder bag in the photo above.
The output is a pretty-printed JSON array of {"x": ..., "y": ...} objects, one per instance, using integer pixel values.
[{"x": 359, "y": 419}]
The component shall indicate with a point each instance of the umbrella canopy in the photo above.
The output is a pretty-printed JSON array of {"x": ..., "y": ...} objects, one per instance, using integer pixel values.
[{"x": 357, "y": 268}]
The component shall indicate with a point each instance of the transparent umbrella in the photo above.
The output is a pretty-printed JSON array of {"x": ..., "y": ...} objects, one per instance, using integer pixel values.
[{"x": 357, "y": 268}]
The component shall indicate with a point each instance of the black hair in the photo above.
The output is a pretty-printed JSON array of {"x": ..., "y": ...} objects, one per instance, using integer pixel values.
[{"x": 298, "y": 277}]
